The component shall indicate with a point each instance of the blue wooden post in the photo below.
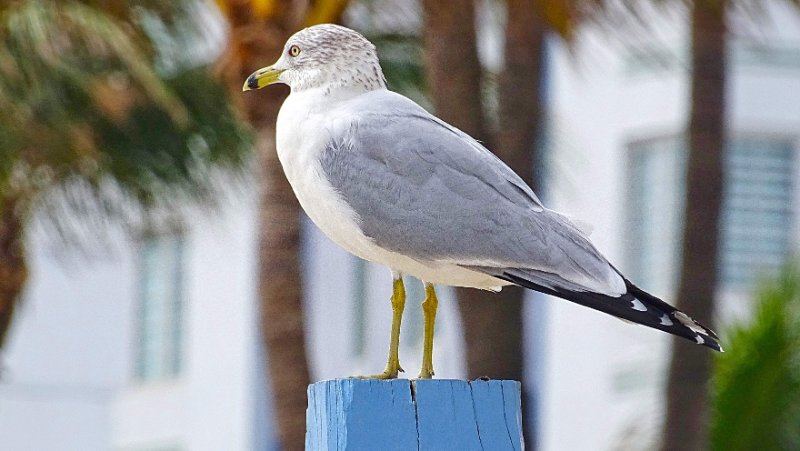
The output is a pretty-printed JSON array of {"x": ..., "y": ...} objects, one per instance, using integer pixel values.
[{"x": 425, "y": 415}]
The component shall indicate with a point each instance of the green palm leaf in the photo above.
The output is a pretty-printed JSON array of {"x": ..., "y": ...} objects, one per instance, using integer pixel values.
[
  {"x": 757, "y": 382},
  {"x": 83, "y": 110}
]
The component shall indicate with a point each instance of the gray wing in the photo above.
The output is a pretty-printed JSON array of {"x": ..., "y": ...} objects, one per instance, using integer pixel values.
[{"x": 427, "y": 190}]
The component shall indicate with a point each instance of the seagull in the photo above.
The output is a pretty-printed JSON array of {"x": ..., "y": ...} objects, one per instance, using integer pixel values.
[{"x": 395, "y": 185}]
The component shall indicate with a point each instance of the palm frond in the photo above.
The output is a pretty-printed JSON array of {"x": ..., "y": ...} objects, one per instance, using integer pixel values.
[
  {"x": 402, "y": 63},
  {"x": 83, "y": 105},
  {"x": 757, "y": 382}
]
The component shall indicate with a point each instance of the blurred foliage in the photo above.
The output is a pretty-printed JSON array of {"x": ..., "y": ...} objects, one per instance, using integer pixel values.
[
  {"x": 402, "y": 64},
  {"x": 86, "y": 110},
  {"x": 757, "y": 381}
]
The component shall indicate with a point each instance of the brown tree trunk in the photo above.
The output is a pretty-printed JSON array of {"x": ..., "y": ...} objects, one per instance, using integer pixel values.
[
  {"x": 687, "y": 392},
  {"x": 279, "y": 273},
  {"x": 491, "y": 335},
  {"x": 259, "y": 43},
  {"x": 492, "y": 322},
  {"x": 13, "y": 268},
  {"x": 518, "y": 141},
  {"x": 454, "y": 79},
  {"x": 256, "y": 42},
  {"x": 520, "y": 100},
  {"x": 453, "y": 71},
  {"x": 279, "y": 285}
]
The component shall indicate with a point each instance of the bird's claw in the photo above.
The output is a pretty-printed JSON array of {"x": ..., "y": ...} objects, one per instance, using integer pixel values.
[{"x": 388, "y": 373}]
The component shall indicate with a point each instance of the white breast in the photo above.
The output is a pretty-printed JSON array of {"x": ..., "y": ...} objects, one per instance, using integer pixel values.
[{"x": 301, "y": 138}]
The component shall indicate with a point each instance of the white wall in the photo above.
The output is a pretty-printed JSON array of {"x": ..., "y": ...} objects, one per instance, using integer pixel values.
[{"x": 68, "y": 351}]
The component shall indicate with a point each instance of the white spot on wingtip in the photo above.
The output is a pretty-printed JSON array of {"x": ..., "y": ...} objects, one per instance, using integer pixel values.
[
  {"x": 637, "y": 305},
  {"x": 665, "y": 321},
  {"x": 688, "y": 322}
]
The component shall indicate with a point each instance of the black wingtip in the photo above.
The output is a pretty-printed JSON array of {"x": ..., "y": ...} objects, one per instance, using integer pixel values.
[
  {"x": 702, "y": 334},
  {"x": 706, "y": 338},
  {"x": 680, "y": 324},
  {"x": 636, "y": 306}
]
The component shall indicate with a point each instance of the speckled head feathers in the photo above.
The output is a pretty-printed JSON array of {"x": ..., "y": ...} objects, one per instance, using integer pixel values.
[{"x": 330, "y": 56}]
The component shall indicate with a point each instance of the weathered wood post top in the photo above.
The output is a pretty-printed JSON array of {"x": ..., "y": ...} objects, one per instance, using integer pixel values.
[{"x": 425, "y": 415}]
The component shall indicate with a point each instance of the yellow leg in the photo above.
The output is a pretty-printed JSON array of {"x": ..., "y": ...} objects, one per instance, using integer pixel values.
[
  {"x": 429, "y": 307},
  {"x": 398, "y": 305}
]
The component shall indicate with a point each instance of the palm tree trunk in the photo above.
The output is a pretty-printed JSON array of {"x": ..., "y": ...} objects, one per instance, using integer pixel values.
[
  {"x": 687, "y": 392},
  {"x": 491, "y": 329},
  {"x": 518, "y": 142},
  {"x": 279, "y": 284},
  {"x": 256, "y": 43},
  {"x": 492, "y": 323},
  {"x": 454, "y": 79},
  {"x": 279, "y": 273},
  {"x": 13, "y": 268},
  {"x": 256, "y": 40},
  {"x": 453, "y": 71},
  {"x": 520, "y": 99}
]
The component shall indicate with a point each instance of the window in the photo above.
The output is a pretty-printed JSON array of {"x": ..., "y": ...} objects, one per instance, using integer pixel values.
[
  {"x": 160, "y": 307},
  {"x": 757, "y": 213},
  {"x": 756, "y": 217}
]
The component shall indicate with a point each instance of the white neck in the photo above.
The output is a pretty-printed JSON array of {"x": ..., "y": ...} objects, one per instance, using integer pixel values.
[{"x": 351, "y": 78}]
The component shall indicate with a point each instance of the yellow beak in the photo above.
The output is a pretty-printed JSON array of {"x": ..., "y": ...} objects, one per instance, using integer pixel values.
[{"x": 262, "y": 77}]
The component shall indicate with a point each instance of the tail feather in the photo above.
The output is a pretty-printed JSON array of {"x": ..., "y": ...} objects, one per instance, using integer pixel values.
[{"x": 636, "y": 306}]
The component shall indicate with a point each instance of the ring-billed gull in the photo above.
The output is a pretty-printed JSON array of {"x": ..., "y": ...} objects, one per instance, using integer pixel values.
[{"x": 395, "y": 185}]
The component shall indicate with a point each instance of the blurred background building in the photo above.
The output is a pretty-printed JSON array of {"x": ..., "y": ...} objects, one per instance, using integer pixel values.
[{"x": 154, "y": 346}]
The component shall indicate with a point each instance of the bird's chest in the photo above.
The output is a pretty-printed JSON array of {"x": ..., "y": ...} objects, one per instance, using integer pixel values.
[{"x": 300, "y": 140}]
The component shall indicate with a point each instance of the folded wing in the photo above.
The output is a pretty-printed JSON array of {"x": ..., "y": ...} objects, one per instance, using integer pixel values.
[{"x": 426, "y": 190}]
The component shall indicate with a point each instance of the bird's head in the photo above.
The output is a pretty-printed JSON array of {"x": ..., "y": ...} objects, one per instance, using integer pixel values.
[{"x": 327, "y": 55}]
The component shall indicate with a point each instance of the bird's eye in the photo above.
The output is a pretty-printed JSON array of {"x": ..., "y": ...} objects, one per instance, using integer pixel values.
[{"x": 294, "y": 50}]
